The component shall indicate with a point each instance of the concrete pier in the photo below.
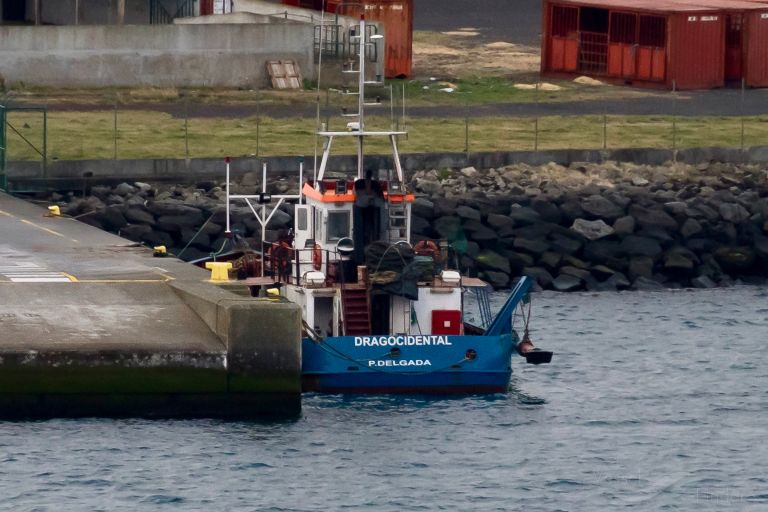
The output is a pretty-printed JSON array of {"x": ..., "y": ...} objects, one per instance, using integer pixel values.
[{"x": 93, "y": 325}]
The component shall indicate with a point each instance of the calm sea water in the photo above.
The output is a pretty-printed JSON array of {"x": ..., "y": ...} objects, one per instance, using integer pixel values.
[{"x": 655, "y": 401}]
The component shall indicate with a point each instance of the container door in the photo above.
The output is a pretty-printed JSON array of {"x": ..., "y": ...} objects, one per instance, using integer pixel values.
[
  {"x": 564, "y": 40},
  {"x": 756, "y": 51},
  {"x": 593, "y": 40},
  {"x": 622, "y": 46},
  {"x": 651, "y": 50},
  {"x": 734, "y": 55}
]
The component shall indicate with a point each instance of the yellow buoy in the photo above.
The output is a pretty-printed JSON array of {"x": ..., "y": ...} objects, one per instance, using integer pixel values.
[{"x": 219, "y": 270}]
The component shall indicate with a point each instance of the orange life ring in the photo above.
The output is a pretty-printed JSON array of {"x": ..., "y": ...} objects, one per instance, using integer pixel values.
[{"x": 317, "y": 257}]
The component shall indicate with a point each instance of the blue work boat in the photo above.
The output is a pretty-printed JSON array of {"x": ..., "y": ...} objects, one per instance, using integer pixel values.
[{"x": 381, "y": 314}]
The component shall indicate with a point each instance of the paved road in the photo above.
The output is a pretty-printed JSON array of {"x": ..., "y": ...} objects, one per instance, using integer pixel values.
[{"x": 515, "y": 21}]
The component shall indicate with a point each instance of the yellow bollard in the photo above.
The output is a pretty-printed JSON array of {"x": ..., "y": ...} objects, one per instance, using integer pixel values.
[
  {"x": 54, "y": 211},
  {"x": 273, "y": 292},
  {"x": 160, "y": 251},
  {"x": 219, "y": 270}
]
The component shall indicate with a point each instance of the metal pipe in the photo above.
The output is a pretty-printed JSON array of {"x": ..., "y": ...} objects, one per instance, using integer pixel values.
[{"x": 227, "y": 230}]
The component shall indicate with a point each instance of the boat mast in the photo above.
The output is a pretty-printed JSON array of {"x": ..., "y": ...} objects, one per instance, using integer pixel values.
[{"x": 361, "y": 96}]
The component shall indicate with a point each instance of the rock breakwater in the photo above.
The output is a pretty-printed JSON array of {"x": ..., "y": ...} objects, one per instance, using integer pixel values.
[{"x": 608, "y": 226}]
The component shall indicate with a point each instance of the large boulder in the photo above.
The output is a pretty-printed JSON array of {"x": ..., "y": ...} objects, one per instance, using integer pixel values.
[
  {"x": 500, "y": 222},
  {"x": 469, "y": 213},
  {"x": 423, "y": 208},
  {"x": 735, "y": 258},
  {"x": 112, "y": 218},
  {"x": 624, "y": 225},
  {"x": 547, "y": 210},
  {"x": 449, "y": 228},
  {"x": 592, "y": 229},
  {"x": 566, "y": 283},
  {"x": 541, "y": 275},
  {"x": 733, "y": 212},
  {"x": 601, "y": 208},
  {"x": 640, "y": 266},
  {"x": 524, "y": 216},
  {"x": 491, "y": 260},
  {"x": 496, "y": 279},
  {"x": 641, "y": 246},
  {"x": 138, "y": 215},
  {"x": 135, "y": 232},
  {"x": 647, "y": 218}
]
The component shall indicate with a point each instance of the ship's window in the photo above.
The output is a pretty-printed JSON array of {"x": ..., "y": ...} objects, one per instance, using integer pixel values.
[
  {"x": 338, "y": 226},
  {"x": 301, "y": 219}
]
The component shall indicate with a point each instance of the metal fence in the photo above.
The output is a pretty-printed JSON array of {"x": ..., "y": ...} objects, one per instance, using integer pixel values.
[{"x": 190, "y": 128}]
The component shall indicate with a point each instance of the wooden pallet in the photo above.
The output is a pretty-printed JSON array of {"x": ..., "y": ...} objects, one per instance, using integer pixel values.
[{"x": 285, "y": 74}]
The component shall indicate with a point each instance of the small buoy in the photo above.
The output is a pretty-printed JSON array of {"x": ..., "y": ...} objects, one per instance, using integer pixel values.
[
  {"x": 54, "y": 211},
  {"x": 219, "y": 270},
  {"x": 160, "y": 251}
]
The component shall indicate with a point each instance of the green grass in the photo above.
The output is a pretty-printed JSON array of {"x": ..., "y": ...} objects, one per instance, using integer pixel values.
[{"x": 150, "y": 134}]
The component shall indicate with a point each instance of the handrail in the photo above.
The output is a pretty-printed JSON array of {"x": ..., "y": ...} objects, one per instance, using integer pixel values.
[{"x": 502, "y": 324}]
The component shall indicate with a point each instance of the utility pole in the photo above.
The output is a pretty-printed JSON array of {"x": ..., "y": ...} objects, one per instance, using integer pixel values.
[
  {"x": 121, "y": 12},
  {"x": 38, "y": 11}
]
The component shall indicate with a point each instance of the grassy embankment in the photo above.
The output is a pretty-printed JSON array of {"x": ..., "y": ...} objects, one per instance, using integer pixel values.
[{"x": 81, "y": 124}]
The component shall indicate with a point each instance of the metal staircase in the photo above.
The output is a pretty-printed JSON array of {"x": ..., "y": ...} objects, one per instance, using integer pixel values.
[{"x": 356, "y": 310}]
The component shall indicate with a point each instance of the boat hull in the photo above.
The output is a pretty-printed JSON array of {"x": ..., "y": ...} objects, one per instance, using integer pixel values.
[{"x": 408, "y": 364}]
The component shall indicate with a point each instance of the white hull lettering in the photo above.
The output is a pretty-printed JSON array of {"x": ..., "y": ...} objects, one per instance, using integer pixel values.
[
  {"x": 401, "y": 341},
  {"x": 404, "y": 362}
]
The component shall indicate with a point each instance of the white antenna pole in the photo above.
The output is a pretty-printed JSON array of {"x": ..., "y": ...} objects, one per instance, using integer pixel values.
[
  {"x": 227, "y": 160},
  {"x": 319, "y": 68},
  {"x": 301, "y": 180}
]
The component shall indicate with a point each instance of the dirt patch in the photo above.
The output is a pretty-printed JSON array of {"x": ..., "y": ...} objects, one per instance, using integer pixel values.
[{"x": 461, "y": 53}]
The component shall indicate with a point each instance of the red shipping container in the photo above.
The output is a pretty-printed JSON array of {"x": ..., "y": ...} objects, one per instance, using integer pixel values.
[
  {"x": 662, "y": 43},
  {"x": 395, "y": 15}
]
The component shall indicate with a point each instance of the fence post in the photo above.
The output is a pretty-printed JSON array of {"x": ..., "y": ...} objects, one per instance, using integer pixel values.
[
  {"x": 3, "y": 139},
  {"x": 45, "y": 144},
  {"x": 536, "y": 120},
  {"x": 466, "y": 127},
  {"x": 674, "y": 115},
  {"x": 115, "y": 129},
  {"x": 186, "y": 128},
  {"x": 741, "y": 113}
]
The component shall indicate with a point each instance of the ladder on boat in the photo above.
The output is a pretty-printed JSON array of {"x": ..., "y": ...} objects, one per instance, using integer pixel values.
[
  {"x": 397, "y": 218},
  {"x": 356, "y": 310}
]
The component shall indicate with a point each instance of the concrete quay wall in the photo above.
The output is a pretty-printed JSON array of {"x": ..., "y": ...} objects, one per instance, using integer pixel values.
[
  {"x": 151, "y": 55},
  {"x": 92, "y": 325}
]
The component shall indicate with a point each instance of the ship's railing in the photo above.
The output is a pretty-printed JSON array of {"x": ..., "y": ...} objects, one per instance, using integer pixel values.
[{"x": 286, "y": 264}]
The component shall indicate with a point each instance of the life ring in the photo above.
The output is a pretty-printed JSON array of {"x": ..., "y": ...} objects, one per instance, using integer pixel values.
[
  {"x": 427, "y": 248},
  {"x": 317, "y": 257}
]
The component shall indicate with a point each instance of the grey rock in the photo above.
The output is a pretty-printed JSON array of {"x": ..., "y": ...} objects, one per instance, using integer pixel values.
[
  {"x": 125, "y": 189},
  {"x": 499, "y": 222},
  {"x": 112, "y": 218},
  {"x": 641, "y": 246},
  {"x": 423, "y": 208},
  {"x": 761, "y": 246},
  {"x": 524, "y": 216},
  {"x": 564, "y": 244},
  {"x": 679, "y": 262},
  {"x": 547, "y": 210},
  {"x": 496, "y": 279},
  {"x": 701, "y": 244},
  {"x": 566, "y": 283},
  {"x": 703, "y": 282},
  {"x": 493, "y": 261},
  {"x": 465, "y": 212},
  {"x": 477, "y": 231},
  {"x": 469, "y": 172},
  {"x": 174, "y": 223},
  {"x": 535, "y": 247},
  {"x": 601, "y": 208},
  {"x": 602, "y": 272},
  {"x": 449, "y": 228},
  {"x": 280, "y": 219},
  {"x": 550, "y": 260},
  {"x": 541, "y": 275},
  {"x": 592, "y": 229},
  {"x": 155, "y": 238},
  {"x": 603, "y": 252},
  {"x": 620, "y": 281},
  {"x": 647, "y": 217},
  {"x": 676, "y": 207},
  {"x": 135, "y": 232},
  {"x": 138, "y": 215},
  {"x": 420, "y": 226},
  {"x": 576, "y": 272},
  {"x": 624, "y": 225},
  {"x": 732, "y": 212},
  {"x": 645, "y": 284},
  {"x": 171, "y": 207},
  {"x": 640, "y": 266},
  {"x": 735, "y": 258},
  {"x": 143, "y": 187},
  {"x": 691, "y": 227}
]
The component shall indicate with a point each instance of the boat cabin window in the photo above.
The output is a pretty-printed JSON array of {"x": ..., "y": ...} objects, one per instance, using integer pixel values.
[
  {"x": 338, "y": 226},
  {"x": 301, "y": 219}
]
